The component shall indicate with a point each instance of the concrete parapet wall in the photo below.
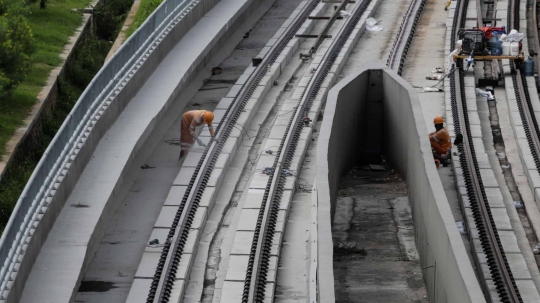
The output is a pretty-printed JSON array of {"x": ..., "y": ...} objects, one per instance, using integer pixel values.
[{"x": 447, "y": 270}]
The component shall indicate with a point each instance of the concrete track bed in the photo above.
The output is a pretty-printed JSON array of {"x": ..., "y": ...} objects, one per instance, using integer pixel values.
[
  {"x": 395, "y": 113},
  {"x": 375, "y": 256}
]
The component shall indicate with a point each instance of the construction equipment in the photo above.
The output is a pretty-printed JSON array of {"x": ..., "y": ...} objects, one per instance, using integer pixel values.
[{"x": 484, "y": 45}]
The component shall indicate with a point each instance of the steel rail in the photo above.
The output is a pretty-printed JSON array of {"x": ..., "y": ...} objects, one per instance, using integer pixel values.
[
  {"x": 528, "y": 117},
  {"x": 255, "y": 282},
  {"x": 489, "y": 238},
  {"x": 526, "y": 111},
  {"x": 499, "y": 269},
  {"x": 398, "y": 53},
  {"x": 165, "y": 274},
  {"x": 327, "y": 27}
]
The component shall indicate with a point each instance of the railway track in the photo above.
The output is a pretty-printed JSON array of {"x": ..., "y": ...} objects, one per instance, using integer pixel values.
[
  {"x": 523, "y": 98},
  {"x": 258, "y": 266},
  {"x": 259, "y": 258},
  {"x": 499, "y": 268},
  {"x": 165, "y": 274},
  {"x": 398, "y": 53}
]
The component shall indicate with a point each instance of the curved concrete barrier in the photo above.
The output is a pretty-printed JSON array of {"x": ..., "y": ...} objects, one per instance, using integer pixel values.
[{"x": 394, "y": 114}]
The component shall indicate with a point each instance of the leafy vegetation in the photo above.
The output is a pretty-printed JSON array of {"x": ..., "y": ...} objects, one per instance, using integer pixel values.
[
  {"x": 50, "y": 29},
  {"x": 146, "y": 8},
  {"x": 16, "y": 44},
  {"x": 85, "y": 62}
]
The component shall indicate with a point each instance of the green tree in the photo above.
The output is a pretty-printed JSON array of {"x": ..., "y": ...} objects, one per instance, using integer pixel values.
[
  {"x": 42, "y": 3},
  {"x": 109, "y": 16},
  {"x": 15, "y": 44}
]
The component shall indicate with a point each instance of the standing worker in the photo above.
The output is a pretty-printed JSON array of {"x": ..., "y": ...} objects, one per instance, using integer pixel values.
[
  {"x": 440, "y": 142},
  {"x": 190, "y": 120}
]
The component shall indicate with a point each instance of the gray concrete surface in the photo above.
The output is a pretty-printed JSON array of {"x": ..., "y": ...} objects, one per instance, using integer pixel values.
[
  {"x": 234, "y": 258},
  {"x": 431, "y": 34},
  {"x": 375, "y": 256},
  {"x": 62, "y": 257},
  {"x": 232, "y": 287},
  {"x": 451, "y": 278},
  {"x": 117, "y": 257},
  {"x": 421, "y": 58},
  {"x": 221, "y": 206}
]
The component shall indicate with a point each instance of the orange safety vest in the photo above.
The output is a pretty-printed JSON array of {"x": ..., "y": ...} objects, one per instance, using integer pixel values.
[
  {"x": 190, "y": 120},
  {"x": 442, "y": 139}
]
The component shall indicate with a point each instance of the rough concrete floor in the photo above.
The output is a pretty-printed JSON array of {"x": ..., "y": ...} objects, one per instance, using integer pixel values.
[
  {"x": 375, "y": 258},
  {"x": 427, "y": 52},
  {"x": 110, "y": 275},
  {"x": 377, "y": 45}
]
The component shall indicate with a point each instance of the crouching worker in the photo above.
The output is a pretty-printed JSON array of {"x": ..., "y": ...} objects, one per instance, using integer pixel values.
[
  {"x": 190, "y": 121},
  {"x": 440, "y": 142}
]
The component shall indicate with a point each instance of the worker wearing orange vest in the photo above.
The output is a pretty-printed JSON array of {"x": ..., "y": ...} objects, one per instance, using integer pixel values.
[
  {"x": 440, "y": 142},
  {"x": 190, "y": 120}
]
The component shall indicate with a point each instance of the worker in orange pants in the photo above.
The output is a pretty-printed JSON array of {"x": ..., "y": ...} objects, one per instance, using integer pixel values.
[
  {"x": 440, "y": 142},
  {"x": 190, "y": 120}
]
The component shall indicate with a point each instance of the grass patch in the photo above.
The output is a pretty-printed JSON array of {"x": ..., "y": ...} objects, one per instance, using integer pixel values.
[
  {"x": 51, "y": 28},
  {"x": 146, "y": 8},
  {"x": 85, "y": 62}
]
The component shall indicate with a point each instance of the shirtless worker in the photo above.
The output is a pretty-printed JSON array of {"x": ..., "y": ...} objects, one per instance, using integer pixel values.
[
  {"x": 440, "y": 142},
  {"x": 190, "y": 120}
]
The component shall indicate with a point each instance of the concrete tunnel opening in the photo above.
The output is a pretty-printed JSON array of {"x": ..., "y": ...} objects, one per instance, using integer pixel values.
[
  {"x": 393, "y": 235},
  {"x": 375, "y": 255}
]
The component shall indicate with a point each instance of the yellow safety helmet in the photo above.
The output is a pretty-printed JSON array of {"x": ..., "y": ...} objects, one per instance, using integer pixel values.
[
  {"x": 438, "y": 120},
  {"x": 208, "y": 117}
]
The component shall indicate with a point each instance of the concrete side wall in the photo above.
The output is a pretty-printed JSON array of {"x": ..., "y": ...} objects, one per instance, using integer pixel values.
[{"x": 447, "y": 271}]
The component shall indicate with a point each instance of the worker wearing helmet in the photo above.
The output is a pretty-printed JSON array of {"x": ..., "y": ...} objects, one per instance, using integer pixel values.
[
  {"x": 190, "y": 121},
  {"x": 440, "y": 142}
]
